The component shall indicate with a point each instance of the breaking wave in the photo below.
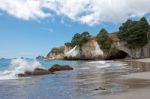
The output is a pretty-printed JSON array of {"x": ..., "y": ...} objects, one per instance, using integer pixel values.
[{"x": 18, "y": 66}]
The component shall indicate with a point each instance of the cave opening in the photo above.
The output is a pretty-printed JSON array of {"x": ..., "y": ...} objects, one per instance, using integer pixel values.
[{"x": 119, "y": 54}]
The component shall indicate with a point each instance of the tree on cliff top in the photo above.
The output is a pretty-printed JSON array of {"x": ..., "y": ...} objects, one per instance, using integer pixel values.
[
  {"x": 79, "y": 39},
  {"x": 134, "y": 33},
  {"x": 103, "y": 39}
]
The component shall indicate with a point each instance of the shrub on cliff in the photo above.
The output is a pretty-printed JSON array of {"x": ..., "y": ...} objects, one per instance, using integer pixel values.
[
  {"x": 69, "y": 44},
  {"x": 134, "y": 33},
  {"x": 79, "y": 39},
  {"x": 103, "y": 39},
  {"x": 57, "y": 50}
]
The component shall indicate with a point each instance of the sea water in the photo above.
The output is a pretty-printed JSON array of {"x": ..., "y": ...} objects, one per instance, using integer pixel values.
[{"x": 87, "y": 80}]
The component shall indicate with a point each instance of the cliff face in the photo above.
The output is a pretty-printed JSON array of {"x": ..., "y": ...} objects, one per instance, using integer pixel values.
[
  {"x": 89, "y": 50},
  {"x": 141, "y": 52},
  {"x": 67, "y": 48},
  {"x": 132, "y": 53},
  {"x": 55, "y": 56}
]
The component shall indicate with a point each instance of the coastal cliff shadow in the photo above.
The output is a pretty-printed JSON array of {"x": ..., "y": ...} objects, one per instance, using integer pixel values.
[{"x": 117, "y": 54}]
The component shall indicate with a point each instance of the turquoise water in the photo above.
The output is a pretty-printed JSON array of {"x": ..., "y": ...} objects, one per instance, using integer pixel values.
[{"x": 88, "y": 80}]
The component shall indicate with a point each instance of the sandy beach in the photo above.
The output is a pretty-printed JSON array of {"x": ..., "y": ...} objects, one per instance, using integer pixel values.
[
  {"x": 133, "y": 94},
  {"x": 146, "y": 60},
  {"x": 141, "y": 91}
]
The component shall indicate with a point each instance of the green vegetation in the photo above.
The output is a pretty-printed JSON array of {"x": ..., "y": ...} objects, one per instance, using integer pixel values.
[
  {"x": 57, "y": 50},
  {"x": 134, "y": 33},
  {"x": 69, "y": 44},
  {"x": 79, "y": 39},
  {"x": 103, "y": 39}
]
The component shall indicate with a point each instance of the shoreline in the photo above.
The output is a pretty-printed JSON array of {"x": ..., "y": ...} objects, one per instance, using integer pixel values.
[
  {"x": 137, "y": 76},
  {"x": 143, "y": 66},
  {"x": 144, "y": 60}
]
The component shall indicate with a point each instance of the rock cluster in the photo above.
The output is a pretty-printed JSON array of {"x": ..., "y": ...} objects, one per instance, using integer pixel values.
[
  {"x": 57, "y": 67},
  {"x": 40, "y": 71}
]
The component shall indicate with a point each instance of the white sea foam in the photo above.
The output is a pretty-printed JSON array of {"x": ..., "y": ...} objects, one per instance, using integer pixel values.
[
  {"x": 97, "y": 62},
  {"x": 85, "y": 68},
  {"x": 105, "y": 64},
  {"x": 18, "y": 66}
]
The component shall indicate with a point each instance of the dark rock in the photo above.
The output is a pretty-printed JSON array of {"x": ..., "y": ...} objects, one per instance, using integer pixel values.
[
  {"x": 100, "y": 88},
  {"x": 58, "y": 67},
  {"x": 40, "y": 71},
  {"x": 40, "y": 57},
  {"x": 116, "y": 54},
  {"x": 36, "y": 72}
]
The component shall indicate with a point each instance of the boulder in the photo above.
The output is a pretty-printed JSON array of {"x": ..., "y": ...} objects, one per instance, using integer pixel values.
[
  {"x": 40, "y": 71},
  {"x": 58, "y": 67},
  {"x": 36, "y": 72}
]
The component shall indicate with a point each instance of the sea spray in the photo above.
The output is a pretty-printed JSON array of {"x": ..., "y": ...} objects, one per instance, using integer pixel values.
[{"x": 18, "y": 66}]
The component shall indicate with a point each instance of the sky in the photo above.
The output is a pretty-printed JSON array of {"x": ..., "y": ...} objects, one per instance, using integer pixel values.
[{"x": 29, "y": 28}]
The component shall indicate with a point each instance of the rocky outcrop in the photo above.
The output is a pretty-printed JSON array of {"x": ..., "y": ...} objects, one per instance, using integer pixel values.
[
  {"x": 40, "y": 71},
  {"x": 58, "y": 67},
  {"x": 36, "y": 72},
  {"x": 74, "y": 53},
  {"x": 89, "y": 50},
  {"x": 115, "y": 54},
  {"x": 67, "y": 48},
  {"x": 55, "y": 56},
  {"x": 40, "y": 57},
  {"x": 134, "y": 53}
]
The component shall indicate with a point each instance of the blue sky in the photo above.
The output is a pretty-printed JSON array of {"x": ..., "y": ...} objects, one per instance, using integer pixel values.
[
  {"x": 32, "y": 27},
  {"x": 31, "y": 38}
]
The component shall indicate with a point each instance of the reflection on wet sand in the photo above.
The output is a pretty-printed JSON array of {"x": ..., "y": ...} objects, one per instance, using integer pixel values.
[
  {"x": 109, "y": 80},
  {"x": 140, "y": 66}
]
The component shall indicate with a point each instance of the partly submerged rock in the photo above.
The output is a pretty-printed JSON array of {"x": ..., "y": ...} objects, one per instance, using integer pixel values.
[
  {"x": 100, "y": 88},
  {"x": 36, "y": 72},
  {"x": 58, "y": 67},
  {"x": 40, "y": 71}
]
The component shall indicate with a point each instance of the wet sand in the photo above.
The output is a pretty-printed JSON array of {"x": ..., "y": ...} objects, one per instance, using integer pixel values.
[
  {"x": 133, "y": 84},
  {"x": 134, "y": 94},
  {"x": 146, "y": 60},
  {"x": 141, "y": 67},
  {"x": 138, "y": 81},
  {"x": 142, "y": 75}
]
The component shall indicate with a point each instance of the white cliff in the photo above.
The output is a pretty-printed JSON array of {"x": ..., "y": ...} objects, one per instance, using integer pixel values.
[{"x": 89, "y": 50}]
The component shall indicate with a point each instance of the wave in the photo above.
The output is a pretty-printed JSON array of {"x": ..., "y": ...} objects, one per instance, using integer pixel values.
[
  {"x": 18, "y": 66},
  {"x": 106, "y": 64},
  {"x": 97, "y": 62}
]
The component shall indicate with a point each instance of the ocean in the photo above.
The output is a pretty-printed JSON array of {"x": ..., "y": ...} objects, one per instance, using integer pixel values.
[{"x": 88, "y": 80}]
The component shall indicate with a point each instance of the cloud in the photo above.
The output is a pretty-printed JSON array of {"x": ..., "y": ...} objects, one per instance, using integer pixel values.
[
  {"x": 24, "y": 9},
  {"x": 88, "y": 12}
]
